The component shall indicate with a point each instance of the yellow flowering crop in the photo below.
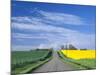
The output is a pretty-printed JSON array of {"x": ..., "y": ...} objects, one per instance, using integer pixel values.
[{"x": 79, "y": 54}]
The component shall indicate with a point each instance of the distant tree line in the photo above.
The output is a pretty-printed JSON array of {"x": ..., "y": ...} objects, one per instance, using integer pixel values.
[
  {"x": 70, "y": 47},
  {"x": 37, "y": 49}
]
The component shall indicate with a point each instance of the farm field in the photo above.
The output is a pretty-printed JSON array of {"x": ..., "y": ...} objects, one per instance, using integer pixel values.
[
  {"x": 47, "y": 60},
  {"x": 25, "y": 61},
  {"x": 79, "y": 54},
  {"x": 52, "y": 37},
  {"x": 83, "y": 59}
]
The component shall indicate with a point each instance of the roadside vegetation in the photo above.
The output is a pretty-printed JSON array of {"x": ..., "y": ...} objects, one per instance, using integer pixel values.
[
  {"x": 26, "y": 61},
  {"x": 79, "y": 58}
]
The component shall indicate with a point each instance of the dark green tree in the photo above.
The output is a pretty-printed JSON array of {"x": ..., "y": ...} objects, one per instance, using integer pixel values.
[{"x": 71, "y": 47}]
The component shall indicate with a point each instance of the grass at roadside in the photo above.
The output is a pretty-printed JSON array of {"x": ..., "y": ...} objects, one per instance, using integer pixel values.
[
  {"x": 89, "y": 63},
  {"x": 27, "y": 61},
  {"x": 81, "y": 64},
  {"x": 28, "y": 68}
]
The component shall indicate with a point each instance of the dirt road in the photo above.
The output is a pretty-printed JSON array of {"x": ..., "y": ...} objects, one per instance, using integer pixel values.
[{"x": 54, "y": 65}]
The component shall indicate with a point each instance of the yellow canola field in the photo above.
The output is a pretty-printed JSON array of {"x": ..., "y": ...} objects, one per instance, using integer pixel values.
[{"x": 80, "y": 54}]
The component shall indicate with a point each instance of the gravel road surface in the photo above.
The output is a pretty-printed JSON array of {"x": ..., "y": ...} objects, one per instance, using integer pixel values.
[{"x": 54, "y": 65}]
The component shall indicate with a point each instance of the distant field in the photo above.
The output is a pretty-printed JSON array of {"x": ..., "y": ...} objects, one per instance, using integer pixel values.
[
  {"x": 84, "y": 59},
  {"x": 79, "y": 54},
  {"x": 25, "y": 60}
]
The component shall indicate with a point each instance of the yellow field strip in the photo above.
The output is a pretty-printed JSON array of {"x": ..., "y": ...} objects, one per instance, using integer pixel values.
[{"x": 79, "y": 54}]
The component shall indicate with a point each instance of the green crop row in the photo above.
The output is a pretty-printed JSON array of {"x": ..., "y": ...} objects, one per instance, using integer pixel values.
[{"x": 23, "y": 58}]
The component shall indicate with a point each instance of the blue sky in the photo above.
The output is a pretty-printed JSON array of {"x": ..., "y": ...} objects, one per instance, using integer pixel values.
[{"x": 46, "y": 25}]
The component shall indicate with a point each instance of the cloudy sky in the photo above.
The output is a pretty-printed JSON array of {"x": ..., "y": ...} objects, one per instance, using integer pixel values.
[{"x": 46, "y": 25}]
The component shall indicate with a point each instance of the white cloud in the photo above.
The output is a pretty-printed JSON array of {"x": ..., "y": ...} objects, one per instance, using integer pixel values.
[
  {"x": 82, "y": 40},
  {"x": 22, "y": 48},
  {"x": 25, "y": 19},
  {"x": 27, "y": 36},
  {"x": 77, "y": 39},
  {"x": 53, "y": 18},
  {"x": 63, "y": 18},
  {"x": 36, "y": 25},
  {"x": 20, "y": 19},
  {"x": 55, "y": 35},
  {"x": 56, "y": 40}
]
